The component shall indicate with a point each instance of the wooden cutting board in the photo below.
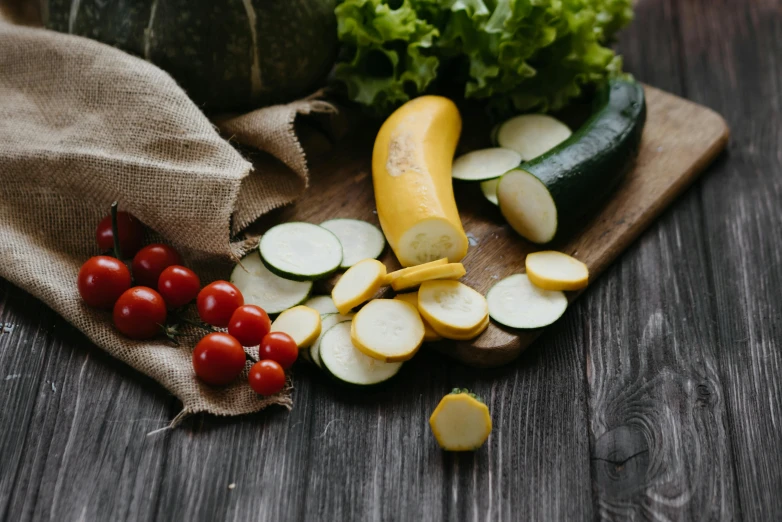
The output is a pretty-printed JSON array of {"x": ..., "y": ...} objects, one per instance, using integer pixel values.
[{"x": 680, "y": 139}]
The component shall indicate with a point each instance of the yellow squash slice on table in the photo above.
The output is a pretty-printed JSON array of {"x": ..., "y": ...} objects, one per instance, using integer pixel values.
[{"x": 461, "y": 422}]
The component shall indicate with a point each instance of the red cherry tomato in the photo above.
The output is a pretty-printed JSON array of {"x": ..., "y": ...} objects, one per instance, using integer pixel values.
[
  {"x": 150, "y": 262},
  {"x": 266, "y": 377},
  {"x": 131, "y": 234},
  {"x": 217, "y": 302},
  {"x": 139, "y": 313},
  {"x": 218, "y": 359},
  {"x": 280, "y": 347},
  {"x": 102, "y": 279},
  {"x": 178, "y": 285},
  {"x": 249, "y": 324}
]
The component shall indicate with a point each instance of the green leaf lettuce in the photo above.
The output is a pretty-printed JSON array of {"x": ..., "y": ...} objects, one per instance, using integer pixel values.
[{"x": 519, "y": 55}]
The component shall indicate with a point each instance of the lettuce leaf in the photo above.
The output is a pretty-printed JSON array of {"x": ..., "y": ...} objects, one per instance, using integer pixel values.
[
  {"x": 519, "y": 55},
  {"x": 384, "y": 57}
]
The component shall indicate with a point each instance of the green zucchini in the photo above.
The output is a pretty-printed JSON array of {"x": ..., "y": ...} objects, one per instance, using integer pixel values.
[{"x": 547, "y": 197}]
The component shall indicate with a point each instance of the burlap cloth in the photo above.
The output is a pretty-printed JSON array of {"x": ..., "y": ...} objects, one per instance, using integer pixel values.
[{"x": 83, "y": 124}]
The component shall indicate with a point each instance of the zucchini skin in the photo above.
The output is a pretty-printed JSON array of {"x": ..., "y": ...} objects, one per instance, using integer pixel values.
[{"x": 582, "y": 171}]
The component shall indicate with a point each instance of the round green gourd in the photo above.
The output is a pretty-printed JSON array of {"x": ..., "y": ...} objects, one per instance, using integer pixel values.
[{"x": 227, "y": 54}]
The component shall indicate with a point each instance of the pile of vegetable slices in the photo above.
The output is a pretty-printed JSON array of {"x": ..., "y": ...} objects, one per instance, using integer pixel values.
[
  {"x": 362, "y": 340},
  {"x": 352, "y": 336}
]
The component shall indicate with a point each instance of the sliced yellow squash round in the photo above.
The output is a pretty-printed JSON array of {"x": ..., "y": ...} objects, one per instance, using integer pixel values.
[
  {"x": 452, "y": 306},
  {"x": 388, "y": 330},
  {"x": 409, "y": 270},
  {"x": 302, "y": 323},
  {"x": 360, "y": 283},
  {"x": 413, "y": 279},
  {"x": 461, "y": 422},
  {"x": 463, "y": 335},
  {"x": 551, "y": 270},
  {"x": 412, "y": 299}
]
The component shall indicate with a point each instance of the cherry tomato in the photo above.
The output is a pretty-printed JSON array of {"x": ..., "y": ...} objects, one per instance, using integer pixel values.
[
  {"x": 150, "y": 262},
  {"x": 217, "y": 302},
  {"x": 280, "y": 347},
  {"x": 218, "y": 359},
  {"x": 178, "y": 285},
  {"x": 139, "y": 313},
  {"x": 249, "y": 324},
  {"x": 102, "y": 279},
  {"x": 131, "y": 234},
  {"x": 266, "y": 377}
]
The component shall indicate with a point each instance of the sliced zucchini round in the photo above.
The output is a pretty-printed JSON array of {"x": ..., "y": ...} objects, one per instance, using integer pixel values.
[
  {"x": 489, "y": 189},
  {"x": 360, "y": 240},
  {"x": 322, "y": 303},
  {"x": 302, "y": 323},
  {"x": 301, "y": 251},
  {"x": 531, "y": 135},
  {"x": 327, "y": 321},
  {"x": 517, "y": 303},
  {"x": 262, "y": 288},
  {"x": 346, "y": 363},
  {"x": 388, "y": 330},
  {"x": 528, "y": 206},
  {"x": 484, "y": 164}
]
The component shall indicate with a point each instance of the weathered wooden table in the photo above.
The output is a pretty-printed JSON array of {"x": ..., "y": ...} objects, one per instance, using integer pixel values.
[{"x": 658, "y": 396}]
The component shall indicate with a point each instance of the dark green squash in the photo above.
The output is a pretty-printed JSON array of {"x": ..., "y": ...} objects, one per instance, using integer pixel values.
[{"x": 227, "y": 54}]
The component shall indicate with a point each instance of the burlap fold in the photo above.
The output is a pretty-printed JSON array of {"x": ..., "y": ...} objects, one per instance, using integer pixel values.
[{"x": 83, "y": 124}]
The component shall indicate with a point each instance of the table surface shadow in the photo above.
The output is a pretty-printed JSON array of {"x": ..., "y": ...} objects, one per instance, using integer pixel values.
[{"x": 658, "y": 396}]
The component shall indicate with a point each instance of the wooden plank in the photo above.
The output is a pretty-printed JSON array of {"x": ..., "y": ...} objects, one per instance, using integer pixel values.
[
  {"x": 735, "y": 66},
  {"x": 661, "y": 449},
  {"x": 72, "y": 432},
  {"x": 339, "y": 455},
  {"x": 23, "y": 341},
  {"x": 535, "y": 462}
]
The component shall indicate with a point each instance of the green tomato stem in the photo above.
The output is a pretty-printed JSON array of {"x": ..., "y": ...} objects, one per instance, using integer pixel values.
[{"x": 115, "y": 230}]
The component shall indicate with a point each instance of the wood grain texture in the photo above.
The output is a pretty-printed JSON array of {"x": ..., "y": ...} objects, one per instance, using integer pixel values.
[
  {"x": 734, "y": 62},
  {"x": 657, "y": 397},
  {"x": 72, "y": 442}
]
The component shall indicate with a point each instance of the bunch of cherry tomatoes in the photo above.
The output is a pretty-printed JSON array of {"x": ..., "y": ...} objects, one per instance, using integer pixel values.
[{"x": 161, "y": 288}]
